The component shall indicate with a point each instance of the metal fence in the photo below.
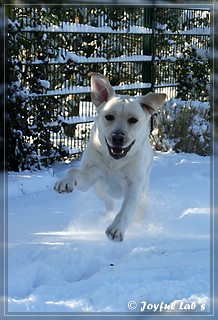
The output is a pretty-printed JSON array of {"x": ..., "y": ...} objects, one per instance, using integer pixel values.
[{"x": 136, "y": 48}]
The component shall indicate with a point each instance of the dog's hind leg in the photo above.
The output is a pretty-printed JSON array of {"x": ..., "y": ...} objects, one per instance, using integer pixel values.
[{"x": 108, "y": 201}]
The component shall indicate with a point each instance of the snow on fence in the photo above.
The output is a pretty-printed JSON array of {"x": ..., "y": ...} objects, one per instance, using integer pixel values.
[{"x": 52, "y": 50}]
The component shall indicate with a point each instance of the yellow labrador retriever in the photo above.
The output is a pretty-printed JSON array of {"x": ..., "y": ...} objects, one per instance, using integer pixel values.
[{"x": 119, "y": 156}]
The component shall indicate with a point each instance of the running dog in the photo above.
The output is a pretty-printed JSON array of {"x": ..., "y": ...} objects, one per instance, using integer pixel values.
[{"x": 118, "y": 157}]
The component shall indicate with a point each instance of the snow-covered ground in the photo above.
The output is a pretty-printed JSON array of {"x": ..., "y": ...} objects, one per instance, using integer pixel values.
[{"x": 60, "y": 260}]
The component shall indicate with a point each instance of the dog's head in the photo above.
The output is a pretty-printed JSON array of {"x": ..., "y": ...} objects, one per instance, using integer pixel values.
[{"x": 122, "y": 121}]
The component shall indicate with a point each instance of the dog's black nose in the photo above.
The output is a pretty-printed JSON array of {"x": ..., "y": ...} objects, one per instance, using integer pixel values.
[{"x": 118, "y": 139}]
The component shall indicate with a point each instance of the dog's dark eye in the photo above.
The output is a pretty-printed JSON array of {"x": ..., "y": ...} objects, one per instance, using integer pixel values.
[
  {"x": 109, "y": 117},
  {"x": 132, "y": 120}
]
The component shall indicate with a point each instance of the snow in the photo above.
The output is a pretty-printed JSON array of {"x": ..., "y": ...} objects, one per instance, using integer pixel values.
[
  {"x": 81, "y": 89},
  {"x": 193, "y": 31},
  {"x": 197, "y": 31},
  {"x": 44, "y": 83},
  {"x": 67, "y": 55},
  {"x": 70, "y": 120},
  {"x": 85, "y": 28},
  {"x": 59, "y": 259},
  {"x": 189, "y": 103},
  {"x": 13, "y": 25}
]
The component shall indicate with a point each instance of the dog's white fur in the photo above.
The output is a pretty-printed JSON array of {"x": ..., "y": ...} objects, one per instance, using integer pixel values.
[{"x": 119, "y": 156}]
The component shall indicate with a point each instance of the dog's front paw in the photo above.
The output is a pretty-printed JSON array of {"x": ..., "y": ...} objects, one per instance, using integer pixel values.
[
  {"x": 64, "y": 185},
  {"x": 114, "y": 233}
]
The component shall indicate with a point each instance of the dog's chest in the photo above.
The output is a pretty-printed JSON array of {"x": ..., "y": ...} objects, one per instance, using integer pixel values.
[{"x": 114, "y": 183}]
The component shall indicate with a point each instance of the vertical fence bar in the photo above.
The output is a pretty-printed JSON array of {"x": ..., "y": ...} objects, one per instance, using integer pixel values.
[
  {"x": 148, "y": 69},
  {"x": 147, "y": 47}
]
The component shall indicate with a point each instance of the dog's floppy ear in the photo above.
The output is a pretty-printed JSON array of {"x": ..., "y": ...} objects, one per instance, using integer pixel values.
[
  {"x": 152, "y": 101},
  {"x": 101, "y": 89}
]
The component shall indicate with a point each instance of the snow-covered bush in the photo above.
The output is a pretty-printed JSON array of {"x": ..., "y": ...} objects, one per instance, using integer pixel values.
[
  {"x": 183, "y": 126},
  {"x": 27, "y": 146},
  {"x": 192, "y": 68}
]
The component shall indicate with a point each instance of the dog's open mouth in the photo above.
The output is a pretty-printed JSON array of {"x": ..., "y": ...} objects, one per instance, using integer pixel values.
[{"x": 118, "y": 152}]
